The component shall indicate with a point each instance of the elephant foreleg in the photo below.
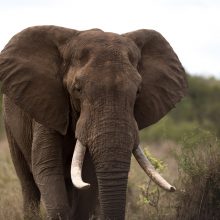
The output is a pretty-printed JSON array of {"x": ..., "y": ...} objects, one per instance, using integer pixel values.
[{"x": 47, "y": 168}]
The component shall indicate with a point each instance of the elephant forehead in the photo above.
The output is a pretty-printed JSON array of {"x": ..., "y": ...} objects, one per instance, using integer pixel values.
[
  {"x": 101, "y": 47},
  {"x": 100, "y": 37},
  {"x": 98, "y": 40}
]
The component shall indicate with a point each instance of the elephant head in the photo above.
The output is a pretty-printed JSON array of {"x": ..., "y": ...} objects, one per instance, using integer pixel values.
[{"x": 106, "y": 86}]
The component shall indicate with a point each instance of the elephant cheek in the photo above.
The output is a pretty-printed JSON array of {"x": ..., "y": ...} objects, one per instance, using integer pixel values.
[{"x": 81, "y": 132}]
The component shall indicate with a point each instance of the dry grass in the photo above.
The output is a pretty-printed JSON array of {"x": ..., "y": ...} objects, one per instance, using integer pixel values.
[
  {"x": 10, "y": 191},
  {"x": 200, "y": 178}
]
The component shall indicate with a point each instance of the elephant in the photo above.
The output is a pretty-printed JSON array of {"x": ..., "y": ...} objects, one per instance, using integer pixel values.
[{"x": 73, "y": 104}]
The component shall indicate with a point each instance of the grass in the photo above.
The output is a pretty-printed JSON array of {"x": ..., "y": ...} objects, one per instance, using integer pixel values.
[
  {"x": 199, "y": 177},
  {"x": 10, "y": 191}
]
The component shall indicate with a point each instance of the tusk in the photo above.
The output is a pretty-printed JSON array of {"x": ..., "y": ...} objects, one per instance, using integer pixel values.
[
  {"x": 76, "y": 166},
  {"x": 150, "y": 170}
]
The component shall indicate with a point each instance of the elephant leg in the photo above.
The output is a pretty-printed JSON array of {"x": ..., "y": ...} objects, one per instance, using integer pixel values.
[
  {"x": 30, "y": 191},
  {"x": 73, "y": 195},
  {"x": 72, "y": 192},
  {"x": 47, "y": 166},
  {"x": 31, "y": 199}
]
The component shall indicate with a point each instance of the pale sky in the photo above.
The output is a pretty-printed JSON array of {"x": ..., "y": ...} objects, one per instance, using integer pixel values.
[{"x": 191, "y": 26}]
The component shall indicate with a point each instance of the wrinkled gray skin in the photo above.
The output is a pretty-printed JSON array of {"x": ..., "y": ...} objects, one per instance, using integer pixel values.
[{"x": 101, "y": 88}]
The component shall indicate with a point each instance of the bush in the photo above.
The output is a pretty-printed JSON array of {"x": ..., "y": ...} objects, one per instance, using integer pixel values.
[
  {"x": 199, "y": 179},
  {"x": 167, "y": 129}
]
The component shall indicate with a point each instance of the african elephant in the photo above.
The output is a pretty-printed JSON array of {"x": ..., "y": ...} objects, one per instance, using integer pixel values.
[{"x": 74, "y": 102}]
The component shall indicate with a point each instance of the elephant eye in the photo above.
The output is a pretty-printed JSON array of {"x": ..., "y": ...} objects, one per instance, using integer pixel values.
[
  {"x": 77, "y": 89},
  {"x": 138, "y": 91},
  {"x": 131, "y": 58},
  {"x": 84, "y": 56}
]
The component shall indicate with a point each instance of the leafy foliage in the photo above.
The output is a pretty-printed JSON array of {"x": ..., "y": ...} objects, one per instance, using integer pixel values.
[{"x": 159, "y": 165}]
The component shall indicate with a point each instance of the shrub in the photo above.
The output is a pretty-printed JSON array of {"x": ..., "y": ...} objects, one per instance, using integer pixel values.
[
  {"x": 199, "y": 179},
  {"x": 167, "y": 129}
]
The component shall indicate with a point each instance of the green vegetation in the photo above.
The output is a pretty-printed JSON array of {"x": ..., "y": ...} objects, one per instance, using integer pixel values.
[{"x": 199, "y": 177}]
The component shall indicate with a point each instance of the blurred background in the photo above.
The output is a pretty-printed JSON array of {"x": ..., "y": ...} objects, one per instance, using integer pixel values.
[{"x": 184, "y": 145}]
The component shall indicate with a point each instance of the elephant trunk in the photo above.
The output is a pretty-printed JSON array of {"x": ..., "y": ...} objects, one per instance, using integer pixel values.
[
  {"x": 110, "y": 138},
  {"x": 111, "y": 150},
  {"x": 112, "y": 194}
]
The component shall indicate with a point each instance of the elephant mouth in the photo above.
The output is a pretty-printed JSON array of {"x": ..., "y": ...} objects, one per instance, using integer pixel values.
[{"x": 77, "y": 162}]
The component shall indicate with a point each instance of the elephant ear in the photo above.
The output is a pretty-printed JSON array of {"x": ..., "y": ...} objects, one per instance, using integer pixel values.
[
  {"x": 30, "y": 71},
  {"x": 163, "y": 77}
]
